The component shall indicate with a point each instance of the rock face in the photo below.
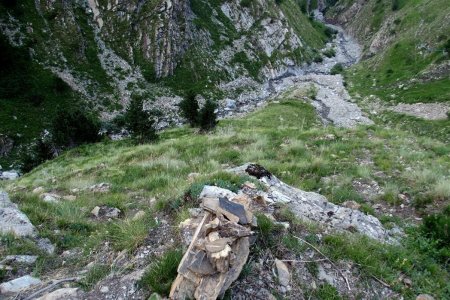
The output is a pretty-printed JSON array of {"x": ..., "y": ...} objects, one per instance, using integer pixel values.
[
  {"x": 315, "y": 207},
  {"x": 12, "y": 220}
]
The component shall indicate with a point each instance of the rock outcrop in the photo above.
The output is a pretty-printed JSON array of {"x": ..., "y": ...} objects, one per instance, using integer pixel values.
[
  {"x": 12, "y": 220},
  {"x": 314, "y": 207}
]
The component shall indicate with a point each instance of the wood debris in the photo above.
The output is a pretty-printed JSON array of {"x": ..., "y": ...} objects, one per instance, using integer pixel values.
[{"x": 218, "y": 250}]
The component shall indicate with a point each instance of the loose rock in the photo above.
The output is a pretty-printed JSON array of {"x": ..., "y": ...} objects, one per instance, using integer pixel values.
[{"x": 284, "y": 277}]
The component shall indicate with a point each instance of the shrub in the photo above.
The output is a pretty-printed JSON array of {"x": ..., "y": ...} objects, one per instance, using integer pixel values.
[
  {"x": 189, "y": 109},
  {"x": 437, "y": 227},
  {"x": 246, "y": 3},
  {"x": 161, "y": 273},
  {"x": 74, "y": 127},
  {"x": 395, "y": 5},
  {"x": 207, "y": 116},
  {"x": 37, "y": 153},
  {"x": 139, "y": 122},
  {"x": 337, "y": 69},
  {"x": 330, "y": 52}
]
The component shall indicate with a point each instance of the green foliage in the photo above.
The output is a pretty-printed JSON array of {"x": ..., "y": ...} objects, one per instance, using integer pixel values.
[
  {"x": 395, "y": 5},
  {"x": 208, "y": 116},
  {"x": 141, "y": 123},
  {"x": 189, "y": 109},
  {"x": 246, "y": 3},
  {"x": 129, "y": 234},
  {"x": 162, "y": 272},
  {"x": 74, "y": 127},
  {"x": 437, "y": 228},
  {"x": 330, "y": 52},
  {"x": 37, "y": 153},
  {"x": 337, "y": 69}
]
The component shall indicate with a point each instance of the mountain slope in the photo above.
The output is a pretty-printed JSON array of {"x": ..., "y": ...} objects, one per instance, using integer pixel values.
[
  {"x": 406, "y": 47},
  {"x": 105, "y": 51}
]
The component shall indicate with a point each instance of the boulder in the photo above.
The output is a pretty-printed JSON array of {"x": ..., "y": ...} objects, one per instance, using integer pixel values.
[
  {"x": 18, "y": 284},
  {"x": 21, "y": 259},
  {"x": 9, "y": 175},
  {"x": 12, "y": 220},
  {"x": 50, "y": 198},
  {"x": 312, "y": 206}
]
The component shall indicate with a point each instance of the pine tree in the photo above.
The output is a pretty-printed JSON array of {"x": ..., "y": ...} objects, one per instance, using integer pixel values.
[
  {"x": 141, "y": 123},
  {"x": 189, "y": 109},
  {"x": 208, "y": 116}
]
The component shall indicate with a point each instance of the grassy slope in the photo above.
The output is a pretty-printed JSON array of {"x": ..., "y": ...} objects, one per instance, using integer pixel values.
[
  {"x": 285, "y": 138},
  {"x": 418, "y": 31}
]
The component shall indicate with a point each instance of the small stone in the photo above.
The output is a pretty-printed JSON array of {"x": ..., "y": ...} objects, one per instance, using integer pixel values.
[
  {"x": 352, "y": 205},
  {"x": 45, "y": 245},
  {"x": 407, "y": 282},
  {"x": 104, "y": 289},
  {"x": 50, "y": 198},
  {"x": 106, "y": 212},
  {"x": 39, "y": 190},
  {"x": 95, "y": 211},
  {"x": 250, "y": 185},
  {"x": 284, "y": 276},
  {"x": 192, "y": 176},
  {"x": 18, "y": 284},
  {"x": 70, "y": 197},
  {"x": 139, "y": 215},
  {"x": 424, "y": 297}
]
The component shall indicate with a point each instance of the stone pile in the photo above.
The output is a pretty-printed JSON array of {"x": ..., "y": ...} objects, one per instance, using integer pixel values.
[{"x": 218, "y": 247}]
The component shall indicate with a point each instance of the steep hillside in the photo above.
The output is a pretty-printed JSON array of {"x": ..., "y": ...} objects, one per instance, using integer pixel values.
[
  {"x": 406, "y": 47},
  {"x": 105, "y": 51},
  {"x": 390, "y": 174}
]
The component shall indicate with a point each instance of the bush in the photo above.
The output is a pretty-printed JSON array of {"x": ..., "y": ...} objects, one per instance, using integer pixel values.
[
  {"x": 337, "y": 69},
  {"x": 162, "y": 272},
  {"x": 74, "y": 127},
  {"x": 189, "y": 109},
  {"x": 37, "y": 153},
  {"x": 395, "y": 5},
  {"x": 330, "y": 52},
  {"x": 437, "y": 227},
  {"x": 139, "y": 122},
  {"x": 207, "y": 116}
]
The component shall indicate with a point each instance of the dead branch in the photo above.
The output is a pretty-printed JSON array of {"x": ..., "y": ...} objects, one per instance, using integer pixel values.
[{"x": 328, "y": 259}]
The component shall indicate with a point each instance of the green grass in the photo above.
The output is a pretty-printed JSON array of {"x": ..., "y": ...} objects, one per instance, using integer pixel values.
[
  {"x": 285, "y": 137},
  {"x": 162, "y": 272}
]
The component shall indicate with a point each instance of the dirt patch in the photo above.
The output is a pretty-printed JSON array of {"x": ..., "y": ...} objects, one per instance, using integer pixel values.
[{"x": 427, "y": 111}]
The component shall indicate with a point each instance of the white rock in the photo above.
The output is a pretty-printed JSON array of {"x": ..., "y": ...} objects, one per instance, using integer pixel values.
[
  {"x": 9, "y": 175},
  {"x": 50, "y": 198},
  {"x": 22, "y": 259},
  {"x": 61, "y": 294},
  {"x": 12, "y": 220},
  {"x": 70, "y": 197},
  {"x": 284, "y": 276},
  {"x": 18, "y": 284},
  {"x": 104, "y": 289},
  {"x": 139, "y": 215},
  {"x": 39, "y": 190},
  {"x": 216, "y": 192}
]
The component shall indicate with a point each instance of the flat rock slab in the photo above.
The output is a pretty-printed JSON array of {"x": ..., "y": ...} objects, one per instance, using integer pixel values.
[
  {"x": 18, "y": 284},
  {"x": 427, "y": 111},
  {"x": 315, "y": 207},
  {"x": 12, "y": 220}
]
